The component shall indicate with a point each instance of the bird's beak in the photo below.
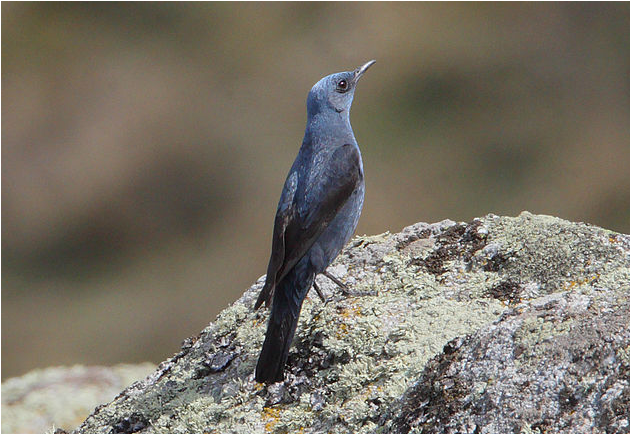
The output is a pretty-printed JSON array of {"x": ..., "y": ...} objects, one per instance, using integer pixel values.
[{"x": 361, "y": 70}]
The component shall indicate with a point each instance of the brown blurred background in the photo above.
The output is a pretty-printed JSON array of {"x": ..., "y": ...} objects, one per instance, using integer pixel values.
[{"x": 144, "y": 145}]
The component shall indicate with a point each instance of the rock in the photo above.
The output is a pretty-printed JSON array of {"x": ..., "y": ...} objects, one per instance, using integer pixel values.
[
  {"x": 58, "y": 398},
  {"x": 502, "y": 324},
  {"x": 553, "y": 365}
]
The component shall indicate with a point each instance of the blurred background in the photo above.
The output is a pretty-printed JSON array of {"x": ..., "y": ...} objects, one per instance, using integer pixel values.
[{"x": 144, "y": 145}]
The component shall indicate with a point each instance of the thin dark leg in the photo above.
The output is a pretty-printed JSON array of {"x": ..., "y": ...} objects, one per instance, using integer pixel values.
[{"x": 317, "y": 289}]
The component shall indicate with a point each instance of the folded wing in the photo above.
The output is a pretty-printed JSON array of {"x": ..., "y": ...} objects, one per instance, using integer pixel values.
[{"x": 301, "y": 219}]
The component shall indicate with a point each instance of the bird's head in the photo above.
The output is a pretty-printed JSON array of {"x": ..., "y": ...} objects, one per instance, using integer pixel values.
[{"x": 335, "y": 92}]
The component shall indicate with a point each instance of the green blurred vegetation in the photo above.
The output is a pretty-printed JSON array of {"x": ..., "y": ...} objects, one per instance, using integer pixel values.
[{"x": 144, "y": 145}]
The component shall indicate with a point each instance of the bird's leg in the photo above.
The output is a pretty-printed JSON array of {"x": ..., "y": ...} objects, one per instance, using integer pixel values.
[
  {"x": 317, "y": 289},
  {"x": 345, "y": 290}
]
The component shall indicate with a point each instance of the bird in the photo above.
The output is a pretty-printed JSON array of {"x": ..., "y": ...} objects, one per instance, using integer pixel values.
[{"x": 317, "y": 214}]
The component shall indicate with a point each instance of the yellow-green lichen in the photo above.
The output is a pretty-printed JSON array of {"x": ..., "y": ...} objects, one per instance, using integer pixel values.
[{"x": 412, "y": 293}]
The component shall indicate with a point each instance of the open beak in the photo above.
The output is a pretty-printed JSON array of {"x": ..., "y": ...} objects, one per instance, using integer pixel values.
[{"x": 362, "y": 69}]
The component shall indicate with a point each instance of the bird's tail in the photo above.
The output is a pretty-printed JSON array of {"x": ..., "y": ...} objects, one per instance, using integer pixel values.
[{"x": 286, "y": 305}]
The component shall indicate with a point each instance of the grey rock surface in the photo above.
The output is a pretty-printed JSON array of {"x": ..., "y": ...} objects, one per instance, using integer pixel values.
[
  {"x": 557, "y": 364},
  {"x": 43, "y": 401},
  {"x": 501, "y": 324}
]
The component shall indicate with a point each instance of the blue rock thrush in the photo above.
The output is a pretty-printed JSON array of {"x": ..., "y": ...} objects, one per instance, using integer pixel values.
[{"x": 317, "y": 213}]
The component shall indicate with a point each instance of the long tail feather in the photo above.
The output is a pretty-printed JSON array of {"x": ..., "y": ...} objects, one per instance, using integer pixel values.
[{"x": 287, "y": 302}]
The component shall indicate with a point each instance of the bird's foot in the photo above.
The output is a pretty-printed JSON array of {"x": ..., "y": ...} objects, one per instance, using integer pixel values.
[{"x": 345, "y": 290}]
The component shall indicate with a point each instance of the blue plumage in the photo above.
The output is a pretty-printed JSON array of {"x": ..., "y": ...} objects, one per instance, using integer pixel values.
[{"x": 317, "y": 213}]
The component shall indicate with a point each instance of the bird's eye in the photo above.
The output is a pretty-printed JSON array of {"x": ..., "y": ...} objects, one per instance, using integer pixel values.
[{"x": 342, "y": 86}]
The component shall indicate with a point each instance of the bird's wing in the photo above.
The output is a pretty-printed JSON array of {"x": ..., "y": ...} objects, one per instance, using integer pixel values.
[
  {"x": 284, "y": 214},
  {"x": 299, "y": 223}
]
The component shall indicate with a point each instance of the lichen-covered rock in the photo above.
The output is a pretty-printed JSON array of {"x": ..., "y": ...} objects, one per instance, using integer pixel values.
[
  {"x": 43, "y": 401},
  {"x": 556, "y": 364},
  {"x": 503, "y": 324}
]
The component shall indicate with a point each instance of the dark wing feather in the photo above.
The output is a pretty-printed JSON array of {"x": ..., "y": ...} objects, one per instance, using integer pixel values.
[
  {"x": 284, "y": 214},
  {"x": 298, "y": 225}
]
